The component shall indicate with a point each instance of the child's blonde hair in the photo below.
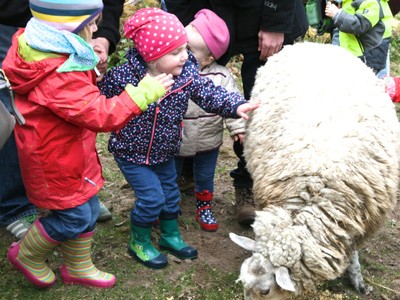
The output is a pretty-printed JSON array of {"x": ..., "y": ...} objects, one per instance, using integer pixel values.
[{"x": 85, "y": 33}]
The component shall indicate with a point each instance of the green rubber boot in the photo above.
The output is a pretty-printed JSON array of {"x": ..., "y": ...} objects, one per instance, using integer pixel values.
[
  {"x": 171, "y": 240},
  {"x": 141, "y": 248}
]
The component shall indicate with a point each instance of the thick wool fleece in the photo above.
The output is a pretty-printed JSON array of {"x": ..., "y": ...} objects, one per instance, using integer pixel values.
[{"x": 324, "y": 159}]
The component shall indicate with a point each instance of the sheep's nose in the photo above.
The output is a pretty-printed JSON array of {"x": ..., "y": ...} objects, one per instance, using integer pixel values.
[{"x": 264, "y": 292}]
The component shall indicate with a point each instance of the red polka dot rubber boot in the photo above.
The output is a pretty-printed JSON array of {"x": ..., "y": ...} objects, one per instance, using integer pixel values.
[{"x": 204, "y": 215}]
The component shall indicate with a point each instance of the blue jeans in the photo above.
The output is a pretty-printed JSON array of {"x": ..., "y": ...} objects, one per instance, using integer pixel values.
[
  {"x": 156, "y": 190},
  {"x": 386, "y": 71},
  {"x": 335, "y": 37},
  {"x": 203, "y": 169},
  {"x": 14, "y": 203},
  {"x": 68, "y": 224}
]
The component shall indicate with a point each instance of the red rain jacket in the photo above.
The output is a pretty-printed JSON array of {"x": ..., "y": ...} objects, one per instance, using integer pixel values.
[{"x": 63, "y": 112}]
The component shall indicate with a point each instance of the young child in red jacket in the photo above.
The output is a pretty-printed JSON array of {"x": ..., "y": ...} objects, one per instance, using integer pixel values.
[{"x": 51, "y": 68}]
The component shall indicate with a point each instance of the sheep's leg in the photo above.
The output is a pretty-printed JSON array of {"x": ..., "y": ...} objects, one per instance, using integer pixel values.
[{"x": 354, "y": 271}]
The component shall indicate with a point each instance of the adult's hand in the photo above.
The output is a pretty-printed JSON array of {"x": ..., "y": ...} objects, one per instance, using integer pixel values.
[
  {"x": 269, "y": 43},
  {"x": 101, "y": 46}
]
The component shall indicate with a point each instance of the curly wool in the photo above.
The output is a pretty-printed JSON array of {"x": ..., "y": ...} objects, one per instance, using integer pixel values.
[{"x": 323, "y": 151}]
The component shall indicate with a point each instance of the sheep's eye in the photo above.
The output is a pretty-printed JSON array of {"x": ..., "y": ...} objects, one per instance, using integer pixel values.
[{"x": 264, "y": 292}]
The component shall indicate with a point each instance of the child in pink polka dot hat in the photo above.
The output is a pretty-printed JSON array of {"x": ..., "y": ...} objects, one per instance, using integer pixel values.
[{"x": 145, "y": 148}]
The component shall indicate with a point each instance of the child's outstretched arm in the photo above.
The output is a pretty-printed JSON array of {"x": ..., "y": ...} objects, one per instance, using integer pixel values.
[{"x": 246, "y": 107}]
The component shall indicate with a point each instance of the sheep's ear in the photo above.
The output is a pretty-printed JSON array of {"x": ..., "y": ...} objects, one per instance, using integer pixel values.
[
  {"x": 242, "y": 241},
  {"x": 283, "y": 279}
]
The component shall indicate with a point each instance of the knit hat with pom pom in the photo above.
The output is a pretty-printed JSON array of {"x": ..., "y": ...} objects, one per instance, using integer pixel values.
[
  {"x": 70, "y": 15},
  {"x": 155, "y": 32}
]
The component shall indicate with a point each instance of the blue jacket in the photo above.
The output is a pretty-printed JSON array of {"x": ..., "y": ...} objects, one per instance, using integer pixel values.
[{"x": 155, "y": 136}]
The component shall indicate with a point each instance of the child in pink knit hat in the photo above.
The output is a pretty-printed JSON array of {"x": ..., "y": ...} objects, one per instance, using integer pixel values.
[
  {"x": 212, "y": 35},
  {"x": 145, "y": 148},
  {"x": 203, "y": 135}
]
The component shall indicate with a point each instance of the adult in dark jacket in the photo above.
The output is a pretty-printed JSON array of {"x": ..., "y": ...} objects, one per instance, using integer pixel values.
[
  {"x": 16, "y": 212},
  {"x": 258, "y": 29},
  {"x": 394, "y": 6}
]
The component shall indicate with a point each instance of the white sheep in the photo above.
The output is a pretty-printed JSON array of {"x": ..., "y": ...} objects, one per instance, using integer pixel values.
[{"x": 323, "y": 151}]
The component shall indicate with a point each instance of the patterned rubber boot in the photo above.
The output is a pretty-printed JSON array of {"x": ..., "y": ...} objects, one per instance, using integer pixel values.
[
  {"x": 172, "y": 242},
  {"x": 78, "y": 267},
  {"x": 21, "y": 226},
  {"x": 204, "y": 214},
  {"x": 29, "y": 255},
  {"x": 141, "y": 248}
]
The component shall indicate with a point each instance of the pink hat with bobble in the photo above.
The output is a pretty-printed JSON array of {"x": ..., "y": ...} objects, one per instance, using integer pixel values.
[
  {"x": 155, "y": 32},
  {"x": 214, "y": 31}
]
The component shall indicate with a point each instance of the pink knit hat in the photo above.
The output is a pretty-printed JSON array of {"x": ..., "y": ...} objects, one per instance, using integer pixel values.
[
  {"x": 214, "y": 31},
  {"x": 155, "y": 32}
]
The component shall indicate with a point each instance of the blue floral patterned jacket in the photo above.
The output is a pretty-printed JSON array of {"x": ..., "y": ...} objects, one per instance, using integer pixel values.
[{"x": 155, "y": 136}]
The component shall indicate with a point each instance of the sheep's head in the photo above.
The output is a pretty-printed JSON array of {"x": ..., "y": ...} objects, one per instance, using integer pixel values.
[{"x": 261, "y": 280}]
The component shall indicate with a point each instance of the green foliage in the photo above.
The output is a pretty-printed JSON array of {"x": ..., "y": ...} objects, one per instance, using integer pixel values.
[
  {"x": 395, "y": 51},
  {"x": 118, "y": 57}
]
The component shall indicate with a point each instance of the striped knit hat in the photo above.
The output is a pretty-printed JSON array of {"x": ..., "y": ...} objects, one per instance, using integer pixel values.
[{"x": 70, "y": 15}]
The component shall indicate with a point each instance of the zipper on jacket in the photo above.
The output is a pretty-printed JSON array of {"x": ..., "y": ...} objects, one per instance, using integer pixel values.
[
  {"x": 153, "y": 130},
  {"x": 90, "y": 181}
]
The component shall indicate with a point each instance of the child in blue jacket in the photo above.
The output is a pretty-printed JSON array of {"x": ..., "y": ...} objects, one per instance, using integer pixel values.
[{"x": 145, "y": 148}]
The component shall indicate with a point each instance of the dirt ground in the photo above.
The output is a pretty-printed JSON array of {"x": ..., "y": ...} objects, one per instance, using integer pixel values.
[
  {"x": 214, "y": 247},
  {"x": 380, "y": 261},
  {"x": 381, "y": 266}
]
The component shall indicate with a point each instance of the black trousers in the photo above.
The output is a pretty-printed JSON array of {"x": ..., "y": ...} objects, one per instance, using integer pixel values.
[{"x": 240, "y": 175}]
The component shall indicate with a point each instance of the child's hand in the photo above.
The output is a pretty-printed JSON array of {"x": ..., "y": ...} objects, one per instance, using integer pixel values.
[
  {"x": 248, "y": 106},
  {"x": 239, "y": 137},
  {"x": 165, "y": 80},
  {"x": 331, "y": 9}
]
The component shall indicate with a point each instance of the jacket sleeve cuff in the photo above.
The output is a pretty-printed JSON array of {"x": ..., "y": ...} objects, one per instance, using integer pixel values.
[
  {"x": 137, "y": 96},
  {"x": 148, "y": 91}
]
